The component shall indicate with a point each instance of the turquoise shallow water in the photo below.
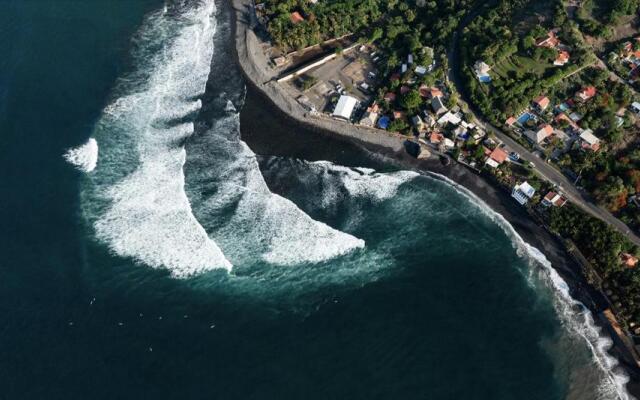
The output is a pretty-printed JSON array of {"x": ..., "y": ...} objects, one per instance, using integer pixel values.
[{"x": 349, "y": 283}]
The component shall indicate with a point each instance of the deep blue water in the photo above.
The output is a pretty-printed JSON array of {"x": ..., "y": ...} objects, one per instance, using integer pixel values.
[{"x": 350, "y": 283}]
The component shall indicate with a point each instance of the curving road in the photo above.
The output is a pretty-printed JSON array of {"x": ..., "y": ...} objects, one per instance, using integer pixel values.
[{"x": 546, "y": 171}]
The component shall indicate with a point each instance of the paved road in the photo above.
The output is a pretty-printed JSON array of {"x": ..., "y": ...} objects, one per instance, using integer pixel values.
[{"x": 546, "y": 171}]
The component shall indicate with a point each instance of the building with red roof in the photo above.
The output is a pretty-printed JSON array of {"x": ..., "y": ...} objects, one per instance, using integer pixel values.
[
  {"x": 541, "y": 102},
  {"x": 554, "y": 199},
  {"x": 390, "y": 97},
  {"x": 550, "y": 41},
  {"x": 497, "y": 157},
  {"x": 562, "y": 59},
  {"x": 628, "y": 260},
  {"x": 296, "y": 17},
  {"x": 586, "y": 93}
]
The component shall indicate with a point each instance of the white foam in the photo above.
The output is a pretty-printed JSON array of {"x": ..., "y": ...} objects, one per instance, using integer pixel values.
[
  {"x": 138, "y": 203},
  {"x": 263, "y": 225},
  {"x": 580, "y": 324},
  {"x": 366, "y": 182},
  {"x": 85, "y": 157}
]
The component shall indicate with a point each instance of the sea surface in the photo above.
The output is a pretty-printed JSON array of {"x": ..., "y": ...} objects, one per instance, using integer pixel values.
[{"x": 148, "y": 252}]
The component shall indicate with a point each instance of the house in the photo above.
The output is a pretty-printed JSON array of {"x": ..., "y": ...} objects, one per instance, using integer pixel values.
[
  {"x": 550, "y": 41},
  {"x": 370, "y": 117},
  {"x": 398, "y": 115},
  {"x": 430, "y": 92},
  {"x": 628, "y": 260},
  {"x": 554, "y": 199},
  {"x": 575, "y": 117},
  {"x": 562, "y": 59},
  {"x": 589, "y": 141},
  {"x": 449, "y": 118},
  {"x": 510, "y": 121},
  {"x": 390, "y": 97},
  {"x": 428, "y": 119},
  {"x": 523, "y": 192},
  {"x": 436, "y": 138},
  {"x": 438, "y": 107},
  {"x": 383, "y": 122},
  {"x": 296, "y": 17},
  {"x": 416, "y": 121},
  {"x": 404, "y": 89},
  {"x": 345, "y": 107},
  {"x": 496, "y": 157},
  {"x": 563, "y": 117},
  {"x": 586, "y": 93},
  {"x": 461, "y": 133},
  {"x": 541, "y": 103},
  {"x": 541, "y": 134},
  {"x": 481, "y": 70},
  {"x": 635, "y": 107},
  {"x": 421, "y": 70}
]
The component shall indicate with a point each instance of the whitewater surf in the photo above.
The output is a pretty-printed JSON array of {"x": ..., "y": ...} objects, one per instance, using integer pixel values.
[{"x": 170, "y": 184}]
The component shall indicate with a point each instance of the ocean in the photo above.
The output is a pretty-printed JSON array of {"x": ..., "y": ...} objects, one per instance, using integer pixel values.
[{"x": 148, "y": 251}]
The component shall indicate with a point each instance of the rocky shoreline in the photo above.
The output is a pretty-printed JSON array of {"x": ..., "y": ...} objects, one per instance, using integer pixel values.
[{"x": 259, "y": 76}]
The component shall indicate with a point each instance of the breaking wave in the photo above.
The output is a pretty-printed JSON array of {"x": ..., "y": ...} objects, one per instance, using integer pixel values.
[
  {"x": 85, "y": 157},
  {"x": 249, "y": 221},
  {"x": 574, "y": 315},
  {"x": 135, "y": 199}
]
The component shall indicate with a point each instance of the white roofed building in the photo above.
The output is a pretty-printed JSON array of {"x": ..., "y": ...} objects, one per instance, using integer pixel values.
[
  {"x": 523, "y": 192},
  {"x": 589, "y": 140},
  {"x": 345, "y": 107}
]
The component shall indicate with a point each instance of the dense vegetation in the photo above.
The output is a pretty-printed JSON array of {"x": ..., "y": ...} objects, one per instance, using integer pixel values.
[
  {"x": 602, "y": 245},
  {"x": 520, "y": 69},
  {"x": 399, "y": 26}
]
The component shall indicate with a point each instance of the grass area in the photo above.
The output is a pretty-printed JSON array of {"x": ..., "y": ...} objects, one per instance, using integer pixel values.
[{"x": 515, "y": 65}]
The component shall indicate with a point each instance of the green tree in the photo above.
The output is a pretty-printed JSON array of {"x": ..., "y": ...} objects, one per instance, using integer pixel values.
[{"x": 411, "y": 100}]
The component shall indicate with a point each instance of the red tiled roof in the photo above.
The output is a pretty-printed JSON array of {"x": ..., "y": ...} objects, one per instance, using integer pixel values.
[
  {"x": 436, "y": 137},
  {"x": 498, "y": 155},
  {"x": 628, "y": 260},
  {"x": 542, "y": 101},
  {"x": 587, "y": 93},
  {"x": 563, "y": 117},
  {"x": 550, "y": 41},
  {"x": 390, "y": 96},
  {"x": 510, "y": 121},
  {"x": 296, "y": 17},
  {"x": 549, "y": 197},
  {"x": 405, "y": 89},
  {"x": 435, "y": 92},
  {"x": 373, "y": 108},
  {"x": 563, "y": 57}
]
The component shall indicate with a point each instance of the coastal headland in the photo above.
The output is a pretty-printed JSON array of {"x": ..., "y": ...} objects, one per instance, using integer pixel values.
[{"x": 261, "y": 79}]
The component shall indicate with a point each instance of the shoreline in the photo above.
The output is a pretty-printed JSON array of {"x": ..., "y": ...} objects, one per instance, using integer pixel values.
[{"x": 253, "y": 65}]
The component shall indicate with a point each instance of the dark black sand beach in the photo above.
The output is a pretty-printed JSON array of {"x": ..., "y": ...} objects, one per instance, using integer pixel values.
[{"x": 265, "y": 127}]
